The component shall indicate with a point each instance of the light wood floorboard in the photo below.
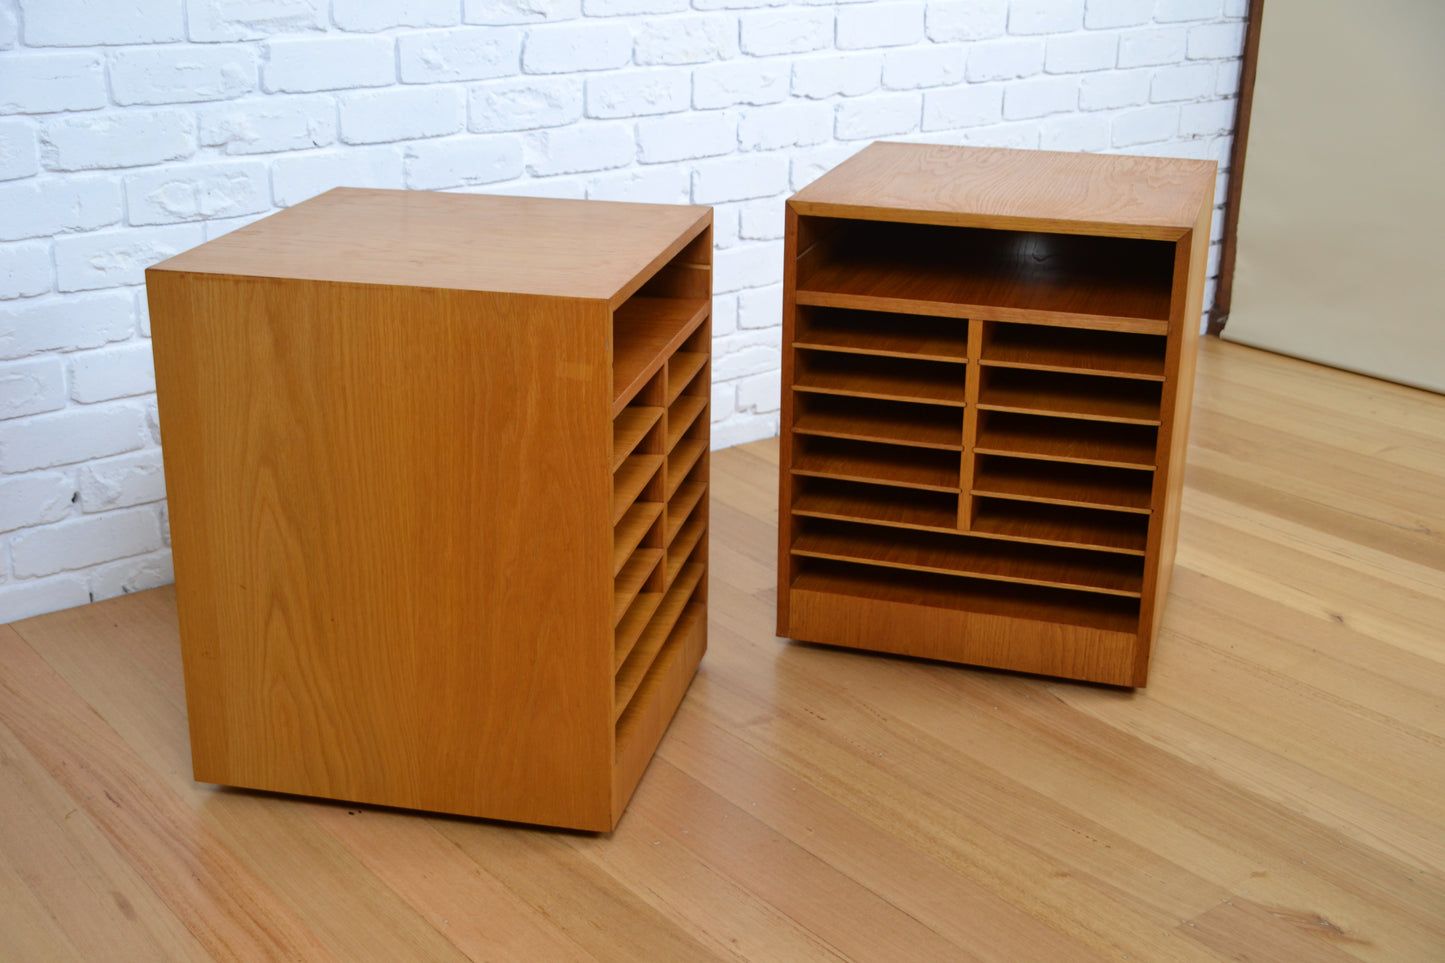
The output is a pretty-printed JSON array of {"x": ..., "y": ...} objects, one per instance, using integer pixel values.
[{"x": 1276, "y": 793}]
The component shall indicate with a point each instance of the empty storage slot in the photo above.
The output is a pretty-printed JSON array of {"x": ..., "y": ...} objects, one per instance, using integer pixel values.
[
  {"x": 1115, "y": 613},
  {"x": 897, "y": 379},
  {"x": 935, "y": 269},
  {"x": 1070, "y": 349},
  {"x": 682, "y": 415},
  {"x": 629, "y": 481},
  {"x": 1066, "y": 439},
  {"x": 629, "y": 428},
  {"x": 681, "y": 462},
  {"x": 633, "y": 624},
  {"x": 867, "y": 419},
  {"x": 645, "y": 331},
  {"x": 906, "y": 508},
  {"x": 1061, "y": 525},
  {"x": 631, "y": 530},
  {"x": 1062, "y": 483},
  {"x": 965, "y": 555},
  {"x": 686, "y": 539},
  {"x": 880, "y": 333},
  {"x": 680, "y": 505},
  {"x": 683, "y": 367},
  {"x": 1073, "y": 395},
  {"x": 631, "y": 579},
  {"x": 865, "y": 461},
  {"x": 670, "y": 619}
]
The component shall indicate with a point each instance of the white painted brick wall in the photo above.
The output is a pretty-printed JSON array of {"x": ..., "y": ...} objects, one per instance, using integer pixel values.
[{"x": 130, "y": 131}]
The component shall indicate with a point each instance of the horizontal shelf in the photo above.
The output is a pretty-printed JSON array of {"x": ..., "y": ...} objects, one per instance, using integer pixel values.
[
  {"x": 896, "y": 422},
  {"x": 1115, "y": 283},
  {"x": 631, "y": 579},
  {"x": 682, "y": 547},
  {"x": 628, "y": 533},
  {"x": 1058, "y": 439},
  {"x": 629, "y": 481},
  {"x": 666, "y": 621},
  {"x": 848, "y": 501},
  {"x": 644, "y": 332},
  {"x": 1070, "y": 568},
  {"x": 630, "y": 629},
  {"x": 884, "y": 464},
  {"x": 682, "y": 367},
  {"x": 682, "y": 415},
  {"x": 1072, "y": 350},
  {"x": 681, "y": 506},
  {"x": 1071, "y": 395},
  {"x": 1112, "y": 613},
  {"x": 1063, "y": 484},
  {"x": 879, "y": 333},
  {"x": 681, "y": 461},
  {"x": 629, "y": 428},
  {"x": 890, "y": 379},
  {"x": 1067, "y": 525}
]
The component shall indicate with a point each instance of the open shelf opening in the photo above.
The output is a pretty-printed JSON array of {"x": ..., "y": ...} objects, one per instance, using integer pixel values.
[
  {"x": 849, "y": 460},
  {"x": 880, "y": 333},
  {"x": 960, "y": 554},
  {"x": 1071, "y": 525},
  {"x": 628, "y": 533},
  {"x": 1057, "y": 439},
  {"x": 867, "y": 419},
  {"x": 683, "y": 415},
  {"x": 937, "y": 269},
  {"x": 631, "y": 579},
  {"x": 629, "y": 428},
  {"x": 1045, "y": 348},
  {"x": 889, "y": 379},
  {"x": 1072, "y": 395},
  {"x": 880, "y": 504},
  {"x": 683, "y": 543},
  {"x": 674, "y": 617},
  {"x": 629, "y": 481},
  {"x": 692, "y": 491},
  {"x": 649, "y": 326},
  {"x": 1113, "y": 613},
  {"x": 1061, "y": 483}
]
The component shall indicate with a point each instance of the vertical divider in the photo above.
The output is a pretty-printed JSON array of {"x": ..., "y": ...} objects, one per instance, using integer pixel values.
[
  {"x": 971, "y": 378},
  {"x": 655, "y": 393}
]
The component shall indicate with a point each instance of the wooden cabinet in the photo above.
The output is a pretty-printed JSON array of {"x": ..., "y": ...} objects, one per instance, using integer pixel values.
[
  {"x": 987, "y": 367},
  {"x": 438, "y": 473}
]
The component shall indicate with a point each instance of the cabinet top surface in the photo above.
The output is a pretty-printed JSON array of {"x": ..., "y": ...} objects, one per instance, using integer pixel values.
[
  {"x": 474, "y": 242},
  {"x": 1151, "y": 197}
]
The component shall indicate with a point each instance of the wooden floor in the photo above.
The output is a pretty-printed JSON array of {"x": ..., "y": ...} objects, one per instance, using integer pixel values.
[{"x": 1277, "y": 793}]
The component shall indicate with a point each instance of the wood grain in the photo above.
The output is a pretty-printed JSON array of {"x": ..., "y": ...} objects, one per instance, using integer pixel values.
[
  {"x": 1272, "y": 794},
  {"x": 462, "y": 242},
  {"x": 395, "y": 420},
  {"x": 1142, "y": 197}
]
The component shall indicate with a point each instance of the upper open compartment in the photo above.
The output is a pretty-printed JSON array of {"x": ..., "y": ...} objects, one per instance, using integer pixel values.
[
  {"x": 1111, "y": 283},
  {"x": 651, "y": 324}
]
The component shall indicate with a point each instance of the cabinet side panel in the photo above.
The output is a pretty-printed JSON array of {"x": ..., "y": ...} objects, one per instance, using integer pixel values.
[
  {"x": 1191, "y": 261},
  {"x": 392, "y": 542},
  {"x": 785, "y": 420}
]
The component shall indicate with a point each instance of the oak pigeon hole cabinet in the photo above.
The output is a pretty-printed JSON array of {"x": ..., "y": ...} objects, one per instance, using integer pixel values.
[
  {"x": 988, "y": 359},
  {"x": 438, "y": 470}
]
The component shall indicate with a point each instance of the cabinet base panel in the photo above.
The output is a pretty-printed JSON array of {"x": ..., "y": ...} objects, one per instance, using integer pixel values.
[{"x": 971, "y": 638}]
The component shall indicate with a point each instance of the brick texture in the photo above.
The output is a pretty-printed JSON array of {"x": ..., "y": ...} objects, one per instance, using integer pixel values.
[{"x": 132, "y": 131}]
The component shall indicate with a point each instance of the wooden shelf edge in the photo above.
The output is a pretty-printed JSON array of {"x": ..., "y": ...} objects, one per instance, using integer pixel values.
[
  {"x": 1066, "y": 459},
  {"x": 1069, "y": 369},
  {"x": 629, "y": 427},
  {"x": 986, "y": 493},
  {"x": 629, "y": 582},
  {"x": 980, "y": 312},
  {"x": 921, "y": 486},
  {"x": 1074, "y": 415}
]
